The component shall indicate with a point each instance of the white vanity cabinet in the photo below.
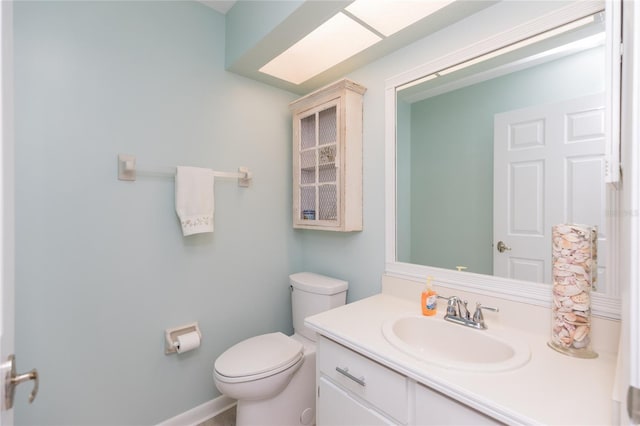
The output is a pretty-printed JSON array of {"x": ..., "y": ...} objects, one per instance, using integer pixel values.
[
  {"x": 355, "y": 390},
  {"x": 327, "y": 158}
]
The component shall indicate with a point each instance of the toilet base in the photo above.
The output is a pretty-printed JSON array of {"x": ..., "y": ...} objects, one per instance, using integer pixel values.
[{"x": 294, "y": 406}]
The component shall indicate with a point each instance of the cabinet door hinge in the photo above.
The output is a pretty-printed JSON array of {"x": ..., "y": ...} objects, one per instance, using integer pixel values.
[{"x": 633, "y": 404}]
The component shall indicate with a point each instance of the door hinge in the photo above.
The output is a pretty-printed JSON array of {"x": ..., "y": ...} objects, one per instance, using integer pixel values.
[
  {"x": 621, "y": 52},
  {"x": 633, "y": 404}
]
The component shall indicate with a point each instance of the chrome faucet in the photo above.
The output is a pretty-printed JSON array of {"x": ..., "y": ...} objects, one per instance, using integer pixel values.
[
  {"x": 457, "y": 312},
  {"x": 478, "y": 318}
]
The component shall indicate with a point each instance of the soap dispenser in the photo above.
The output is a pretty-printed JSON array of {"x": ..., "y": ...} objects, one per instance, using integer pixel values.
[{"x": 429, "y": 300}]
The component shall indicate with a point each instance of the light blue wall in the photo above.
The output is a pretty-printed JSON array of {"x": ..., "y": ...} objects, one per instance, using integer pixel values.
[
  {"x": 102, "y": 268},
  {"x": 249, "y": 21},
  {"x": 452, "y": 156},
  {"x": 102, "y": 262},
  {"x": 357, "y": 257}
]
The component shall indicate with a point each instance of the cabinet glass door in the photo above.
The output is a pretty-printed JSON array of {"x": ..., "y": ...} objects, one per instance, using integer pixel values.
[{"x": 318, "y": 165}]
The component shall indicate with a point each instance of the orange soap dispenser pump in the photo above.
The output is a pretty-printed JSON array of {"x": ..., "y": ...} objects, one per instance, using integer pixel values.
[{"x": 429, "y": 302}]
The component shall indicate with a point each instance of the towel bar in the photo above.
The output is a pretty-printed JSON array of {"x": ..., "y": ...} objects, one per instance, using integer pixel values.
[{"x": 128, "y": 170}]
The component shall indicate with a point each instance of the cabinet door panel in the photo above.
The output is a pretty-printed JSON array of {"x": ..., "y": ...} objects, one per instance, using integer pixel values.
[
  {"x": 308, "y": 132},
  {"x": 328, "y": 125},
  {"x": 433, "y": 408},
  {"x": 337, "y": 408},
  {"x": 381, "y": 387}
]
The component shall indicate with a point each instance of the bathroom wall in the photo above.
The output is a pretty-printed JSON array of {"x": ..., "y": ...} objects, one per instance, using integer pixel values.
[
  {"x": 248, "y": 22},
  {"x": 102, "y": 268}
]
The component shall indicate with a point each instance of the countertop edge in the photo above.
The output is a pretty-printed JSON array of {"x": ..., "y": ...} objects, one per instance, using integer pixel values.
[{"x": 458, "y": 393}]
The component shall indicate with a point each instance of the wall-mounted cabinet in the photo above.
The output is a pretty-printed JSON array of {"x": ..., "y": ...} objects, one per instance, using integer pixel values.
[{"x": 327, "y": 158}]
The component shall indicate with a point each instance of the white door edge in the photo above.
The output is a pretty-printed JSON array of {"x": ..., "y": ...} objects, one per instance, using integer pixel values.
[{"x": 7, "y": 237}]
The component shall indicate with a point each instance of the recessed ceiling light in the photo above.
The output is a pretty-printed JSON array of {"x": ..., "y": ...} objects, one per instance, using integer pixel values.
[
  {"x": 391, "y": 16},
  {"x": 331, "y": 43}
]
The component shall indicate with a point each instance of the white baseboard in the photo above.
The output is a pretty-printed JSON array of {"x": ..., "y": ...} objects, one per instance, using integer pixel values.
[{"x": 201, "y": 413}]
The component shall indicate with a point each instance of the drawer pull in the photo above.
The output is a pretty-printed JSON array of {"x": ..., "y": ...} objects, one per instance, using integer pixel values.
[{"x": 345, "y": 372}]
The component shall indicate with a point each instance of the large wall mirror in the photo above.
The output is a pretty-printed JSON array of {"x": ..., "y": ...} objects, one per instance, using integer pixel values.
[{"x": 489, "y": 152}]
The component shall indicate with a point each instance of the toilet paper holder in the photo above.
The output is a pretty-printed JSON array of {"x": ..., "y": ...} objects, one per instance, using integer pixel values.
[{"x": 171, "y": 336}]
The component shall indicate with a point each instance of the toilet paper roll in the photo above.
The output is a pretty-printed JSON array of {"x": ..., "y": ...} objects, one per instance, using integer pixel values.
[{"x": 187, "y": 342}]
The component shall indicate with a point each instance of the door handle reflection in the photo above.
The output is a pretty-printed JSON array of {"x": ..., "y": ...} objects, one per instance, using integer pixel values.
[{"x": 502, "y": 247}]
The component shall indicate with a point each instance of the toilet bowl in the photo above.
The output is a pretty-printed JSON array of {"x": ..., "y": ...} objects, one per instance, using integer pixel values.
[
  {"x": 272, "y": 376},
  {"x": 259, "y": 367}
]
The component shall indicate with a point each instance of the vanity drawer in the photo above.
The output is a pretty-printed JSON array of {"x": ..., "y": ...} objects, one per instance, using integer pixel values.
[{"x": 378, "y": 385}]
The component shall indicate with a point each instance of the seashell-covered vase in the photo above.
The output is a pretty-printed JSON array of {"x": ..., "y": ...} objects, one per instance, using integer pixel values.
[{"x": 574, "y": 262}]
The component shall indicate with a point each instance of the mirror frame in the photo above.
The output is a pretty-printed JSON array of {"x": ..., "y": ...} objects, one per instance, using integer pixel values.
[{"x": 603, "y": 305}]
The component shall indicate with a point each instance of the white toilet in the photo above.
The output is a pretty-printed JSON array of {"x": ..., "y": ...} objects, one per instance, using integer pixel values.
[{"x": 272, "y": 376}]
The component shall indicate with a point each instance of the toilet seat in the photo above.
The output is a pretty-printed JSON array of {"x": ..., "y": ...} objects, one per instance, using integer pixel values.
[{"x": 258, "y": 357}]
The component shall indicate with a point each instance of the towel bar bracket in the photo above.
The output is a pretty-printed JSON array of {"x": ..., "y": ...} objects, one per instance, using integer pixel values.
[
  {"x": 126, "y": 167},
  {"x": 245, "y": 181}
]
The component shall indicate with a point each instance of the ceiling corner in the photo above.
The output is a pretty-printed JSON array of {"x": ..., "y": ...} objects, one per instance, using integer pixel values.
[{"x": 221, "y": 6}]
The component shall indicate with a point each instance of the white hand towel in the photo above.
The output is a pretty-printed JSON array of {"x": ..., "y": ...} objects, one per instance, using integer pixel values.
[{"x": 194, "y": 199}]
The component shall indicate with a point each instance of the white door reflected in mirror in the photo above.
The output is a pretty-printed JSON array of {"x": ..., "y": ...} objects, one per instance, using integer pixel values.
[{"x": 549, "y": 166}]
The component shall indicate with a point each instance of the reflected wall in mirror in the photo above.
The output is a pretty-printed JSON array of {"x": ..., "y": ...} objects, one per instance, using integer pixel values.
[
  {"x": 500, "y": 151},
  {"x": 445, "y": 154}
]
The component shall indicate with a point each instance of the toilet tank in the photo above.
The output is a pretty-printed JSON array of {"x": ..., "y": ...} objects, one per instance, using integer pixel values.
[{"x": 311, "y": 294}]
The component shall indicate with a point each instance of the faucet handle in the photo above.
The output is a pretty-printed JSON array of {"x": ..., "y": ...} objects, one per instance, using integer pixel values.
[
  {"x": 478, "y": 317},
  {"x": 452, "y": 305}
]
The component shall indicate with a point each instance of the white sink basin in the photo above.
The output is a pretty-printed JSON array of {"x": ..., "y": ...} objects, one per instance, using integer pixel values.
[{"x": 436, "y": 341}]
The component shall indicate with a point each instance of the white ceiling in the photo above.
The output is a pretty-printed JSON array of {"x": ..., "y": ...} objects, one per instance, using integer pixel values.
[{"x": 251, "y": 54}]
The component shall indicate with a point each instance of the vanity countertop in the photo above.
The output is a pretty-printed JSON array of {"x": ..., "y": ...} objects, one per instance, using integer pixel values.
[{"x": 551, "y": 389}]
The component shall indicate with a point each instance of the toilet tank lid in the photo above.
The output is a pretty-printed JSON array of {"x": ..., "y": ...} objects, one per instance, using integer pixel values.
[{"x": 316, "y": 283}]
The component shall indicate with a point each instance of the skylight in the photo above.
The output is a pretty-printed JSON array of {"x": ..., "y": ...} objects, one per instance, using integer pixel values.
[
  {"x": 390, "y": 16},
  {"x": 332, "y": 42},
  {"x": 361, "y": 24}
]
